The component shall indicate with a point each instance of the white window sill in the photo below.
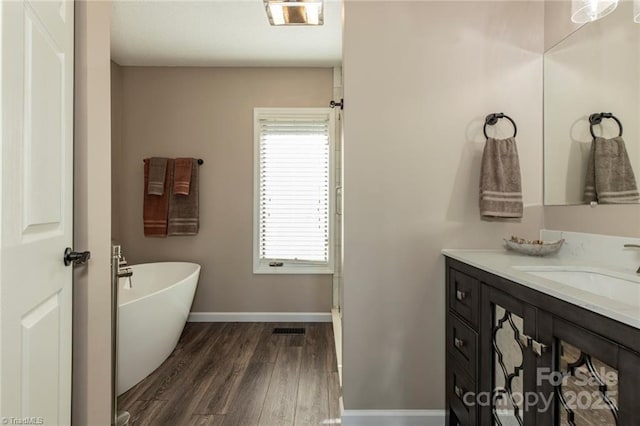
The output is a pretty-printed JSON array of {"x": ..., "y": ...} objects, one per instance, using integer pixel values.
[{"x": 264, "y": 268}]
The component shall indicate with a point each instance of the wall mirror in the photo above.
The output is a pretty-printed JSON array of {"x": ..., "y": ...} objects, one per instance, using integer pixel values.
[{"x": 595, "y": 69}]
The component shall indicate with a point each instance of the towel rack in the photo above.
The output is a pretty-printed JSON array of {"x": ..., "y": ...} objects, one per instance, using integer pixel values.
[
  {"x": 595, "y": 119},
  {"x": 493, "y": 118},
  {"x": 200, "y": 161}
]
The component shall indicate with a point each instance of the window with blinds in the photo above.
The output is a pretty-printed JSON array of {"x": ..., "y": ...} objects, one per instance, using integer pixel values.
[{"x": 293, "y": 190}]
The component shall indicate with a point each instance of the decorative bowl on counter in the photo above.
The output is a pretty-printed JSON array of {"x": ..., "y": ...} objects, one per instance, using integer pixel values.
[{"x": 533, "y": 248}]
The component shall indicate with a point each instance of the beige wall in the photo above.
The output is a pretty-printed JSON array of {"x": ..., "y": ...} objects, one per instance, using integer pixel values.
[
  {"x": 419, "y": 77},
  {"x": 208, "y": 113},
  {"x": 609, "y": 220},
  {"x": 557, "y": 22},
  {"x": 92, "y": 189}
]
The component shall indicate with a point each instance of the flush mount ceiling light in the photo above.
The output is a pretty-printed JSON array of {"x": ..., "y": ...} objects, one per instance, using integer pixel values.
[
  {"x": 583, "y": 11},
  {"x": 294, "y": 12}
]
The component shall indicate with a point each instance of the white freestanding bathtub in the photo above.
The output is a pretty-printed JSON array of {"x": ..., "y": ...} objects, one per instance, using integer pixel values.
[{"x": 152, "y": 313}]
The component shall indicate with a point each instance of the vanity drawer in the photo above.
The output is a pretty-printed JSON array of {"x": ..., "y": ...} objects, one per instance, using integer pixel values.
[
  {"x": 460, "y": 384},
  {"x": 464, "y": 296},
  {"x": 462, "y": 344}
]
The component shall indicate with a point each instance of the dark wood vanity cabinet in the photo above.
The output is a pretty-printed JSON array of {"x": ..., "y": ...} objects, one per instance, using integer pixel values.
[{"x": 516, "y": 356}]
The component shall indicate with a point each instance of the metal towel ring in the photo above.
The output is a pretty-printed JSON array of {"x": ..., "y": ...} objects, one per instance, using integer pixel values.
[
  {"x": 595, "y": 119},
  {"x": 493, "y": 118}
]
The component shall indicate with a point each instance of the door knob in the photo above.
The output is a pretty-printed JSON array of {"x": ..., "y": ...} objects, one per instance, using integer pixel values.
[{"x": 76, "y": 257}]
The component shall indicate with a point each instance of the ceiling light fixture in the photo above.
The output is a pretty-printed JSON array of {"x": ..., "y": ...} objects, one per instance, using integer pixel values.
[
  {"x": 294, "y": 12},
  {"x": 583, "y": 11}
]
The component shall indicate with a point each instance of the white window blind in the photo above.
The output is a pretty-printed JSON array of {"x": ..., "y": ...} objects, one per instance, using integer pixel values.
[{"x": 294, "y": 205}]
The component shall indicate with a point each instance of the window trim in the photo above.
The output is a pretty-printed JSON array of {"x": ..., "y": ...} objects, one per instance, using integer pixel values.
[{"x": 291, "y": 266}]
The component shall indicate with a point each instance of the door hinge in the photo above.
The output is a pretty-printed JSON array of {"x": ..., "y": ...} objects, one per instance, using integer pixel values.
[{"x": 334, "y": 104}]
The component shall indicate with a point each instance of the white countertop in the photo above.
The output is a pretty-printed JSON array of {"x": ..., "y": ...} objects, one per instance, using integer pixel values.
[{"x": 504, "y": 263}]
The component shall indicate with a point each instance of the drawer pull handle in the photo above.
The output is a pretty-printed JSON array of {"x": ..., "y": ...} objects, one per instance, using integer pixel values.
[
  {"x": 461, "y": 295},
  {"x": 538, "y": 348},
  {"x": 458, "y": 343},
  {"x": 459, "y": 392}
]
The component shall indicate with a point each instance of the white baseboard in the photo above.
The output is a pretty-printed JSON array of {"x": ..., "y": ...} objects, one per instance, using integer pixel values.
[
  {"x": 393, "y": 417},
  {"x": 259, "y": 317}
]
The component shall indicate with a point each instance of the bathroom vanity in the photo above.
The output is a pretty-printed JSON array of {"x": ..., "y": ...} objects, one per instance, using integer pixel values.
[{"x": 544, "y": 341}]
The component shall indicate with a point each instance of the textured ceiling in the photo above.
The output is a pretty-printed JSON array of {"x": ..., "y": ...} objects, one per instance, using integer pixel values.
[{"x": 219, "y": 33}]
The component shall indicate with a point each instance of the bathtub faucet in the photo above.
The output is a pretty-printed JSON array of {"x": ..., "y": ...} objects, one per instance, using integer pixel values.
[{"x": 123, "y": 270}]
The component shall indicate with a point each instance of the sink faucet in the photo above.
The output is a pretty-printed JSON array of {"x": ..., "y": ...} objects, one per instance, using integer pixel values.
[{"x": 633, "y": 246}]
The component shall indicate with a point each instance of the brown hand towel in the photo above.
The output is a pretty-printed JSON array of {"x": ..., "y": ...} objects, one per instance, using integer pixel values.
[
  {"x": 156, "y": 208},
  {"x": 500, "y": 181},
  {"x": 182, "y": 176},
  {"x": 157, "y": 173},
  {"x": 610, "y": 178},
  {"x": 184, "y": 216}
]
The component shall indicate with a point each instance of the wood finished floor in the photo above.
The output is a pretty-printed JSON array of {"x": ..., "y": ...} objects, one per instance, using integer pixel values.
[{"x": 241, "y": 374}]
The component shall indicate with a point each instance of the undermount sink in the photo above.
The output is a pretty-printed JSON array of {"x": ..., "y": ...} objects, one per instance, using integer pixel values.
[{"x": 622, "y": 288}]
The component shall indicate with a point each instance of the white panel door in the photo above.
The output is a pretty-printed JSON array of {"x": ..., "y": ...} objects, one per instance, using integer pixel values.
[{"x": 36, "y": 125}]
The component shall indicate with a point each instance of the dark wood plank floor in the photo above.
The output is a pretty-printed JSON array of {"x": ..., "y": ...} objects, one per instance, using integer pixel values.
[{"x": 241, "y": 374}]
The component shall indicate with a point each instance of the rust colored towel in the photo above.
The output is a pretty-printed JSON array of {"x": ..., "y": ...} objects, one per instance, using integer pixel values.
[
  {"x": 184, "y": 216},
  {"x": 182, "y": 176},
  {"x": 157, "y": 176},
  {"x": 156, "y": 207}
]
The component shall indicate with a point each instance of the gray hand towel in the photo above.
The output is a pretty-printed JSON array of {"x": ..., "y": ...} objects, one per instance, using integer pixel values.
[
  {"x": 157, "y": 173},
  {"x": 500, "y": 181},
  {"x": 184, "y": 215},
  {"x": 610, "y": 178}
]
